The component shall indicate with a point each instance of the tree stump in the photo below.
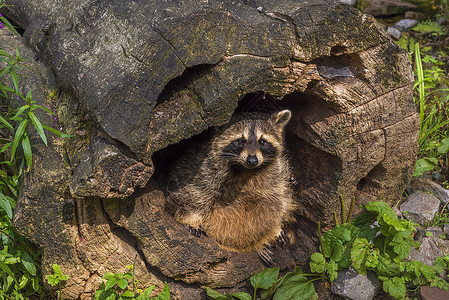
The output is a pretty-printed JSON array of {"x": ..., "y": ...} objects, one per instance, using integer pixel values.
[{"x": 137, "y": 81}]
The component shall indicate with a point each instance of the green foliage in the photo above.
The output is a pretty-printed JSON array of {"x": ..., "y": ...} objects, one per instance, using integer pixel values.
[
  {"x": 293, "y": 285},
  {"x": 379, "y": 242},
  {"x": 20, "y": 274},
  {"x": 376, "y": 241},
  {"x": 57, "y": 278},
  {"x": 117, "y": 286},
  {"x": 429, "y": 27}
]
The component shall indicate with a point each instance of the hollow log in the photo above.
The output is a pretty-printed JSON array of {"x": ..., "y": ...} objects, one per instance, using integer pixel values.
[{"x": 138, "y": 81}]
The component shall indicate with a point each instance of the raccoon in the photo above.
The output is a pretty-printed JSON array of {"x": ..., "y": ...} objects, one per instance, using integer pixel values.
[{"x": 236, "y": 189}]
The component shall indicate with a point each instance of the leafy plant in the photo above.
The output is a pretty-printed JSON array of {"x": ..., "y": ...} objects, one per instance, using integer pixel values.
[
  {"x": 376, "y": 241},
  {"x": 433, "y": 115},
  {"x": 116, "y": 287},
  {"x": 57, "y": 278},
  {"x": 19, "y": 269},
  {"x": 293, "y": 285}
]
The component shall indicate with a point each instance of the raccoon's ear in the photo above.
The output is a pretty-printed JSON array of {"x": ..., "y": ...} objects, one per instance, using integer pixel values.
[{"x": 281, "y": 118}]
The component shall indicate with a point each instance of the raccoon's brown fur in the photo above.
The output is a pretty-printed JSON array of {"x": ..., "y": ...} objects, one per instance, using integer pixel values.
[{"x": 236, "y": 189}]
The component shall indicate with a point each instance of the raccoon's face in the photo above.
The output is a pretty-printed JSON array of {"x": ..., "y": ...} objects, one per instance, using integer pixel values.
[{"x": 253, "y": 142}]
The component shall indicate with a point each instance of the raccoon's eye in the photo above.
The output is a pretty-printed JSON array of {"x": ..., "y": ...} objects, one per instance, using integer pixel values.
[
  {"x": 263, "y": 142},
  {"x": 239, "y": 142}
]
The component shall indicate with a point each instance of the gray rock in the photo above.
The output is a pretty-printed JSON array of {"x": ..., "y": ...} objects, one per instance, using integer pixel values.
[
  {"x": 349, "y": 2},
  {"x": 405, "y": 24},
  {"x": 446, "y": 228},
  {"x": 418, "y": 256},
  {"x": 426, "y": 185},
  {"x": 352, "y": 285},
  {"x": 413, "y": 15},
  {"x": 422, "y": 233},
  {"x": 433, "y": 247},
  {"x": 420, "y": 207},
  {"x": 395, "y": 33},
  {"x": 379, "y": 8}
]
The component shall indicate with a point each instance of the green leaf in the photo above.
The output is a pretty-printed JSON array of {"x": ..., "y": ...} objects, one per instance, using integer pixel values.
[
  {"x": 18, "y": 136},
  {"x": 128, "y": 293},
  {"x": 359, "y": 254},
  {"x": 7, "y": 270},
  {"x": 427, "y": 271},
  {"x": 110, "y": 283},
  {"x": 296, "y": 287},
  {"x": 444, "y": 147},
  {"x": 165, "y": 294},
  {"x": 242, "y": 296},
  {"x": 14, "y": 79},
  {"x": 122, "y": 283},
  {"x": 395, "y": 287},
  {"x": 56, "y": 269},
  {"x": 214, "y": 294},
  {"x": 57, "y": 132},
  {"x": 317, "y": 263},
  {"x": 5, "y": 205},
  {"x": 51, "y": 279},
  {"x": 424, "y": 165},
  {"x": 6, "y": 123},
  {"x": 38, "y": 126},
  {"x": 27, "y": 151},
  {"x": 9, "y": 281},
  {"x": 146, "y": 293},
  {"x": 23, "y": 282},
  {"x": 387, "y": 267},
  {"x": 264, "y": 279},
  {"x": 331, "y": 269},
  {"x": 28, "y": 263},
  {"x": 9, "y": 25}
]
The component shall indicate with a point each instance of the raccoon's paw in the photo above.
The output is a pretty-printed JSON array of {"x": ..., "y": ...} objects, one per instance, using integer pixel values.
[
  {"x": 281, "y": 239},
  {"x": 266, "y": 255},
  {"x": 195, "y": 231}
]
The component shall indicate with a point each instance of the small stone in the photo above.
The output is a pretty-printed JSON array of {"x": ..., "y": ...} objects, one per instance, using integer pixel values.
[
  {"x": 349, "y": 2},
  {"x": 446, "y": 229},
  {"x": 394, "y": 33},
  {"x": 413, "y": 15},
  {"x": 427, "y": 185},
  {"x": 405, "y": 24},
  {"x": 420, "y": 207},
  {"x": 418, "y": 256},
  {"x": 436, "y": 176},
  {"x": 432, "y": 247},
  {"x": 422, "y": 233},
  {"x": 433, "y": 293},
  {"x": 260, "y": 9},
  {"x": 441, "y": 21},
  {"x": 380, "y": 8},
  {"x": 352, "y": 285}
]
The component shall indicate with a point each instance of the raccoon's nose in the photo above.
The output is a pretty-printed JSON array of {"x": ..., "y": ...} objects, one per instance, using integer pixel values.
[{"x": 252, "y": 160}]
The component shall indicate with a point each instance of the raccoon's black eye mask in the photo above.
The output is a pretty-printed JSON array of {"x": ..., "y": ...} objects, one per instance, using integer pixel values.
[{"x": 239, "y": 142}]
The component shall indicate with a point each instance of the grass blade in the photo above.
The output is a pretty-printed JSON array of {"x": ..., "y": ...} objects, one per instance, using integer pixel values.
[
  {"x": 18, "y": 136},
  {"x": 4, "y": 203},
  {"x": 26, "y": 146},
  {"x": 38, "y": 126},
  {"x": 420, "y": 74},
  {"x": 57, "y": 132},
  {"x": 9, "y": 25},
  {"x": 6, "y": 123},
  {"x": 15, "y": 79}
]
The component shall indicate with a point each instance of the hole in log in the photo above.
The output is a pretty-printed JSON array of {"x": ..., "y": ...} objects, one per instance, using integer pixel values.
[
  {"x": 361, "y": 184},
  {"x": 181, "y": 82},
  {"x": 340, "y": 66},
  {"x": 338, "y": 50}
]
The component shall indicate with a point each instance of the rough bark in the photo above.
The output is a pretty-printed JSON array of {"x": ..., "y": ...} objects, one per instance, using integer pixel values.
[{"x": 136, "y": 78}]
